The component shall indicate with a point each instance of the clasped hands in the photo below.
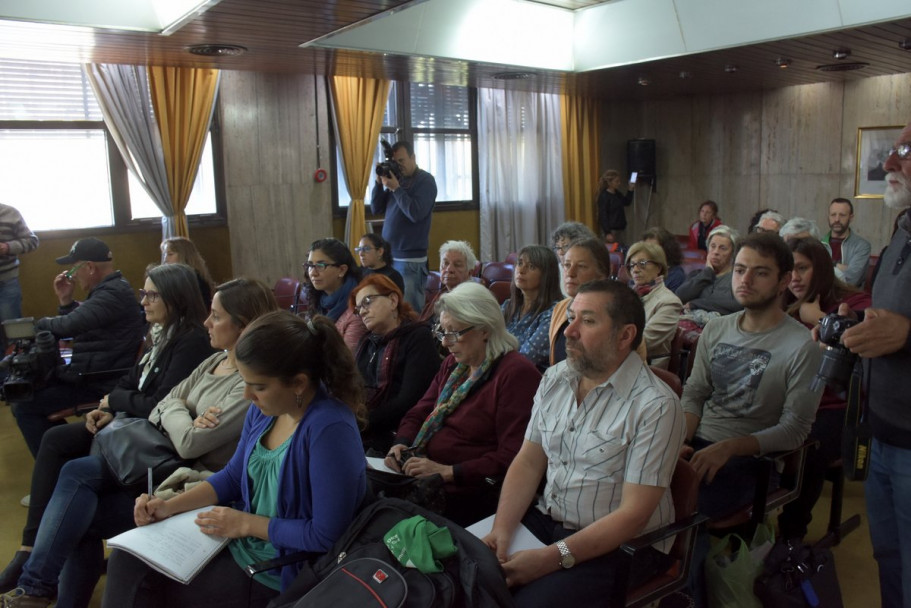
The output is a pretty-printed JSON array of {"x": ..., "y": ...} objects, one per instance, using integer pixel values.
[
  {"x": 415, "y": 466},
  {"x": 525, "y": 566}
]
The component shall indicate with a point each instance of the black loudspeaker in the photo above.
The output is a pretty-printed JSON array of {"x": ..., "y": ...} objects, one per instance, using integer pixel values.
[{"x": 640, "y": 156}]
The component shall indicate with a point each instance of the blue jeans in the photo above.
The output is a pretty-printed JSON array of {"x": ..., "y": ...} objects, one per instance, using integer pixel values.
[
  {"x": 415, "y": 276},
  {"x": 888, "y": 494},
  {"x": 31, "y": 416},
  {"x": 10, "y": 305},
  {"x": 86, "y": 506}
]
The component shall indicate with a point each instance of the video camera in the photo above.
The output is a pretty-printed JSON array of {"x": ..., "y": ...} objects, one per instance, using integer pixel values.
[
  {"x": 837, "y": 361},
  {"x": 389, "y": 167},
  {"x": 32, "y": 363}
]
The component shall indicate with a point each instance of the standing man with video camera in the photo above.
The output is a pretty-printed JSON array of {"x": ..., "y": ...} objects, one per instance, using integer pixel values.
[
  {"x": 406, "y": 197},
  {"x": 884, "y": 339},
  {"x": 106, "y": 328}
]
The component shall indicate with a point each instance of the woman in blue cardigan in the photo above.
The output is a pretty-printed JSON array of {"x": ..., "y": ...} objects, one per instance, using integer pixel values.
[{"x": 296, "y": 479}]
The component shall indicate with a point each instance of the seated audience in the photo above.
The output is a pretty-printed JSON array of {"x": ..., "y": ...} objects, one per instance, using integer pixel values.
[
  {"x": 176, "y": 345},
  {"x": 675, "y": 274},
  {"x": 563, "y": 236},
  {"x": 814, "y": 292},
  {"x": 799, "y": 228},
  {"x": 181, "y": 250},
  {"x": 456, "y": 261},
  {"x": 106, "y": 329},
  {"x": 584, "y": 261},
  {"x": 603, "y": 436},
  {"x": 646, "y": 264},
  {"x": 702, "y": 228},
  {"x": 534, "y": 291},
  {"x": 710, "y": 288},
  {"x": 293, "y": 484},
  {"x": 769, "y": 221},
  {"x": 331, "y": 275},
  {"x": 469, "y": 424},
  {"x": 397, "y": 359},
  {"x": 376, "y": 258},
  {"x": 850, "y": 252},
  {"x": 202, "y": 416}
]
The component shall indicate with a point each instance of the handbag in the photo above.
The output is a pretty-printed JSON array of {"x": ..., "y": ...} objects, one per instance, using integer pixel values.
[
  {"x": 799, "y": 575},
  {"x": 131, "y": 446},
  {"x": 427, "y": 492}
]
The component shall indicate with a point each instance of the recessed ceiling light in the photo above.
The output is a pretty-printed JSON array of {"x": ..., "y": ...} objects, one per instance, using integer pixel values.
[
  {"x": 684, "y": 75},
  {"x": 730, "y": 68},
  {"x": 783, "y": 62},
  {"x": 841, "y": 53},
  {"x": 513, "y": 75},
  {"x": 643, "y": 81},
  {"x": 905, "y": 44},
  {"x": 842, "y": 67},
  {"x": 217, "y": 50}
]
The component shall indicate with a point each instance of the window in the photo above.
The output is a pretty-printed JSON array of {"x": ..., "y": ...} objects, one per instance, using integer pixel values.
[
  {"x": 440, "y": 121},
  {"x": 58, "y": 165}
]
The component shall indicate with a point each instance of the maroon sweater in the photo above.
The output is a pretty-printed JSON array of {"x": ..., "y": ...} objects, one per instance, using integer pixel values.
[{"x": 482, "y": 436}]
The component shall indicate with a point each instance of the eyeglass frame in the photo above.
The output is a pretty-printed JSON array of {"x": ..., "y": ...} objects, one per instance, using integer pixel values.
[
  {"x": 365, "y": 249},
  {"x": 321, "y": 266},
  {"x": 902, "y": 151},
  {"x": 152, "y": 295},
  {"x": 643, "y": 264},
  {"x": 450, "y": 336},
  {"x": 367, "y": 302}
]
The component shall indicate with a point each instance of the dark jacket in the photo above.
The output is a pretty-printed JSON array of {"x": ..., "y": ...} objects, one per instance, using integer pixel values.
[
  {"x": 611, "y": 215},
  {"x": 180, "y": 356},
  {"x": 397, "y": 369},
  {"x": 106, "y": 329}
]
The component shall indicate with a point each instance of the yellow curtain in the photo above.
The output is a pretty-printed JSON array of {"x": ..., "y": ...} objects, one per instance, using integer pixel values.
[
  {"x": 183, "y": 99},
  {"x": 581, "y": 158},
  {"x": 359, "y": 107}
]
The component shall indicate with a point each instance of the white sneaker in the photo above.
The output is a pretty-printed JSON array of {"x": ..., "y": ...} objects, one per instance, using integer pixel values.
[{"x": 25, "y": 501}]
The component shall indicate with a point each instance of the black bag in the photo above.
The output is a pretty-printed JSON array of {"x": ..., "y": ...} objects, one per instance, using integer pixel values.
[
  {"x": 427, "y": 492},
  {"x": 798, "y": 575},
  {"x": 131, "y": 446},
  {"x": 470, "y": 579}
]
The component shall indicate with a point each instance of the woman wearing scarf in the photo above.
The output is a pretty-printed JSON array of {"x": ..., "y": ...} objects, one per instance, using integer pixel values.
[
  {"x": 647, "y": 266},
  {"x": 470, "y": 424},
  {"x": 397, "y": 359},
  {"x": 331, "y": 275}
]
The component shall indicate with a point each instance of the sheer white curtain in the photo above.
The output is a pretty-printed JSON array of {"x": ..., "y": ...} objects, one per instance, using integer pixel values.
[
  {"x": 123, "y": 94},
  {"x": 520, "y": 170}
]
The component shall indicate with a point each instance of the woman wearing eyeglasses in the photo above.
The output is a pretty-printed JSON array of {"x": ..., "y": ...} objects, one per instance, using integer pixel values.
[
  {"x": 331, "y": 274},
  {"x": 397, "y": 359},
  {"x": 376, "y": 258},
  {"x": 647, "y": 265},
  {"x": 470, "y": 423}
]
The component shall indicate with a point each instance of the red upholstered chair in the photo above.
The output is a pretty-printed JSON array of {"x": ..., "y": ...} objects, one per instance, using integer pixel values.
[
  {"x": 432, "y": 285},
  {"x": 669, "y": 378},
  {"x": 497, "y": 271},
  {"x": 287, "y": 293},
  {"x": 512, "y": 258},
  {"x": 476, "y": 271},
  {"x": 500, "y": 290}
]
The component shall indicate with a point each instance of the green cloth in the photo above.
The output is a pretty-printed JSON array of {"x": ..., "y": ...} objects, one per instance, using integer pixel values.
[{"x": 418, "y": 543}]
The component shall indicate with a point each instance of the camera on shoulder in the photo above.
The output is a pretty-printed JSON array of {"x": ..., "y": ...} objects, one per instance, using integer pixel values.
[{"x": 389, "y": 167}]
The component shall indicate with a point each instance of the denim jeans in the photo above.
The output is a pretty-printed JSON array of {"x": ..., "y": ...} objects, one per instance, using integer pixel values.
[
  {"x": 415, "y": 276},
  {"x": 10, "y": 305},
  {"x": 31, "y": 416},
  {"x": 86, "y": 506},
  {"x": 888, "y": 494}
]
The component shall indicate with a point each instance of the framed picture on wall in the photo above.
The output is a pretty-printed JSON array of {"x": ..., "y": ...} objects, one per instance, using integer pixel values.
[{"x": 873, "y": 145}]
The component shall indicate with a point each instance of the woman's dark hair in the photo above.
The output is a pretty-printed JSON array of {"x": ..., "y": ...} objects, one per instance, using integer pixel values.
[
  {"x": 549, "y": 292},
  {"x": 385, "y": 286},
  {"x": 711, "y": 205},
  {"x": 339, "y": 253},
  {"x": 281, "y": 345},
  {"x": 179, "y": 290},
  {"x": 380, "y": 243},
  {"x": 668, "y": 242},
  {"x": 245, "y": 299},
  {"x": 599, "y": 254},
  {"x": 823, "y": 284}
]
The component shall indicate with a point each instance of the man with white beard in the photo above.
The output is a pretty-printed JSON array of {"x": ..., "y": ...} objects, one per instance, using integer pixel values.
[{"x": 884, "y": 339}]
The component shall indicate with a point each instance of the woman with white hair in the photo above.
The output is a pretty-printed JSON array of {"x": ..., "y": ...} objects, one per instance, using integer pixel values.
[
  {"x": 471, "y": 421},
  {"x": 710, "y": 288},
  {"x": 799, "y": 228}
]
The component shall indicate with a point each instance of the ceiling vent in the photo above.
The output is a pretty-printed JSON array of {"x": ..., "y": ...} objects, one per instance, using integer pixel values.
[
  {"x": 513, "y": 75},
  {"x": 842, "y": 67},
  {"x": 217, "y": 50}
]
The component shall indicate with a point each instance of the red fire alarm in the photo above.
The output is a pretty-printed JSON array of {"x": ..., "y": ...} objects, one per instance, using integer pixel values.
[{"x": 320, "y": 175}]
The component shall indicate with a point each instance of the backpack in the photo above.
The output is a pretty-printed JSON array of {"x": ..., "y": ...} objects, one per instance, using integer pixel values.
[{"x": 359, "y": 570}]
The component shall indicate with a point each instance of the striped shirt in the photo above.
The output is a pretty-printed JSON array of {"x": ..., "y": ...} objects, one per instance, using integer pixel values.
[
  {"x": 18, "y": 237},
  {"x": 628, "y": 429}
]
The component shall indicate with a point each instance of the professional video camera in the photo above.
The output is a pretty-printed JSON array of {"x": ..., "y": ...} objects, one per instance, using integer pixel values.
[
  {"x": 32, "y": 363},
  {"x": 837, "y": 361},
  {"x": 388, "y": 167}
]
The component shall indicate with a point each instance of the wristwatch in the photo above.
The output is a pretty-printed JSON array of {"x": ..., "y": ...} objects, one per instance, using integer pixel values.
[{"x": 567, "y": 559}]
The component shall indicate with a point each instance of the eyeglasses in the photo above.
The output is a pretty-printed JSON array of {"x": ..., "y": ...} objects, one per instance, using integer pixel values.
[
  {"x": 642, "y": 264},
  {"x": 903, "y": 151},
  {"x": 151, "y": 296},
  {"x": 364, "y": 249},
  {"x": 367, "y": 302},
  {"x": 74, "y": 269},
  {"x": 560, "y": 249},
  {"x": 321, "y": 266},
  {"x": 450, "y": 336}
]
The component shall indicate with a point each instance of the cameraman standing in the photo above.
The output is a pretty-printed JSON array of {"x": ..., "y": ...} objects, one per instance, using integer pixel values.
[
  {"x": 883, "y": 337},
  {"x": 408, "y": 202},
  {"x": 106, "y": 329}
]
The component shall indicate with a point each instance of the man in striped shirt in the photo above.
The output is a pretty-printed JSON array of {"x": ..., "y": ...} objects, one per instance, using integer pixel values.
[
  {"x": 15, "y": 239},
  {"x": 604, "y": 434}
]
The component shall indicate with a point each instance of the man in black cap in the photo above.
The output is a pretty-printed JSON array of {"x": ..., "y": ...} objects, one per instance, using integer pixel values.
[{"x": 106, "y": 330}]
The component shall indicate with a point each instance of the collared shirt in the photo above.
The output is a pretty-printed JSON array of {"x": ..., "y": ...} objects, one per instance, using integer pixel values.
[{"x": 628, "y": 429}]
